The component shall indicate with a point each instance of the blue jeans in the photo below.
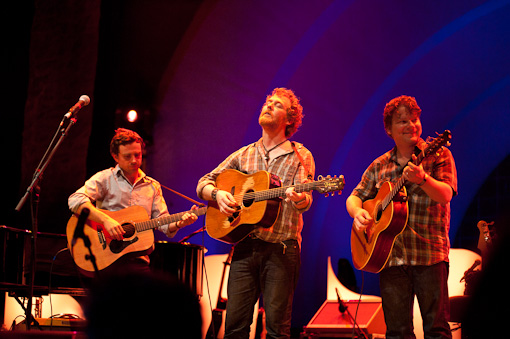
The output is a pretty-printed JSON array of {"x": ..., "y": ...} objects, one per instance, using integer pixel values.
[
  {"x": 261, "y": 267},
  {"x": 400, "y": 284}
]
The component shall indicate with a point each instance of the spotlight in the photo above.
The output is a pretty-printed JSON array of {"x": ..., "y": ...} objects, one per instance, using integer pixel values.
[{"x": 132, "y": 115}]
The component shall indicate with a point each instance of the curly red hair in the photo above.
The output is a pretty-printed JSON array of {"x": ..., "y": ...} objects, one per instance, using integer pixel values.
[
  {"x": 392, "y": 106},
  {"x": 294, "y": 112}
]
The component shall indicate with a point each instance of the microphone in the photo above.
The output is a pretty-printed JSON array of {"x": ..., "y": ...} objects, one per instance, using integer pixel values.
[
  {"x": 83, "y": 101},
  {"x": 80, "y": 225},
  {"x": 471, "y": 269},
  {"x": 341, "y": 306}
]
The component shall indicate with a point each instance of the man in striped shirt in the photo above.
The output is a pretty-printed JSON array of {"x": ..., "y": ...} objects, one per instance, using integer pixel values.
[
  {"x": 418, "y": 264},
  {"x": 122, "y": 186},
  {"x": 268, "y": 260}
]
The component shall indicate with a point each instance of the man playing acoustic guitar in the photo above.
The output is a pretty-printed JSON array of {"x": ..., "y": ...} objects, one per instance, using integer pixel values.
[
  {"x": 417, "y": 263},
  {"x": 266, "y": 261},
  {"x": 123, "y": 186}
]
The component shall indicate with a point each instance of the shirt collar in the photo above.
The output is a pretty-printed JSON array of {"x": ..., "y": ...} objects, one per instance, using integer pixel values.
[
  {"x": 259, "y": 144},
  {"x": 420, "y": 146},
  {"x": 118, "y": 172}
]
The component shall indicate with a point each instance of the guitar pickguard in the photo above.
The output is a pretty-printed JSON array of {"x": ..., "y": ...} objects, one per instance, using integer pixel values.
[{"x": 117, "y": 246}]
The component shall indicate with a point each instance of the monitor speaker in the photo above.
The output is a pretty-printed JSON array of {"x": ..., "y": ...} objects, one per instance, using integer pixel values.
[{"x": 330, "y": 322}]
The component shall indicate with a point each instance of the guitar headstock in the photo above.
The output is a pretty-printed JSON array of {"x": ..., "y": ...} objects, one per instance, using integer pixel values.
[
  {"x": 435, "y": 144},
  {"x": 329, "y": 184}
]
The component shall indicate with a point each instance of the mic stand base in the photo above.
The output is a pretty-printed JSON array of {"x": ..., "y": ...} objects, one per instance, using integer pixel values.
[{"x": 359, "y": 332}]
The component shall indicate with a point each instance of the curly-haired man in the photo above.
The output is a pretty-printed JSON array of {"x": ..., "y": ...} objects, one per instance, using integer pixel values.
[
  {"x": 267, "y": 261},
  {"x": 418, "y": 262}
]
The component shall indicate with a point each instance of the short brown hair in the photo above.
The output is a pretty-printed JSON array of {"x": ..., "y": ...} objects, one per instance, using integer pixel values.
[
  {"x": 392, "y": 106},
  {"x": 294, "y": 113},
  {"x": 124, "y": 136}
]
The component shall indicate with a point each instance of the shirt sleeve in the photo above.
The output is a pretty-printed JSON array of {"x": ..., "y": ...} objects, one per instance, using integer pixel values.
[
  {"x": 305, "y": 174},
  {"x": 367, "y": 187},
  {"x": 92, "y": 191},
  {"x": 210, "y": 178},
  {"x": 445, "y": 170},
  {"x": 159, "y": 209}
]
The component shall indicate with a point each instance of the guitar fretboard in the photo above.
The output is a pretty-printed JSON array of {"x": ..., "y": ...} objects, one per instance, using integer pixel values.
[
  {"x": 280, "y": 191},
  {"x": 167, "y": 219}
]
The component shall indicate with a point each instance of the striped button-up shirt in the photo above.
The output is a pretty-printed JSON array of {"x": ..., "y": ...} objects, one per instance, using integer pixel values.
[
  {"x": 424, "y": 240},
  {"x": 288, "y": 168}
]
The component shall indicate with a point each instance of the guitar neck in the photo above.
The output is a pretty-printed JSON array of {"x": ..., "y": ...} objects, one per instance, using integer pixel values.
[
  {"x": 280, "y": 191},
  {"x": 165, "y": 220}
]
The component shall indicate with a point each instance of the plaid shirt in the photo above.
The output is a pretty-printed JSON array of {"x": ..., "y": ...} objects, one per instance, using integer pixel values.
[
  {"x": 424, "y": 240},
  {"x": 288, "y": 168}
]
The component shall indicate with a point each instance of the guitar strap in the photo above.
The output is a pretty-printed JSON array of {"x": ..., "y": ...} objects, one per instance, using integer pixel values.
[{"x": 308, "y": 175}]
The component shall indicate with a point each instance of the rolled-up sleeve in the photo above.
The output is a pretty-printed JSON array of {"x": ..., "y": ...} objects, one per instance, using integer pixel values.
[
  {"x": 91, "y": 191},
  {"x": 210, "y": 178}
]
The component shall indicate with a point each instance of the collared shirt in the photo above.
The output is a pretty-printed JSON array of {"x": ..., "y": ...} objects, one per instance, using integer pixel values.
[
  {"x": 111, "y": 190},
  {"x": 288, "y": 168},
  {"x": 424, "y": 240}
]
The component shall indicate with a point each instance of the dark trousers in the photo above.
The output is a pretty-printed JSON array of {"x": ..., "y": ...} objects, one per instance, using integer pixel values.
[
  {"x": 261, "y": 267},
  {"x": 400, "y": 284}
]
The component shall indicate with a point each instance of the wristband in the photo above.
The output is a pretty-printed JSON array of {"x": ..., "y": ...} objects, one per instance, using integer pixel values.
[
  {"x": 213, "y": 194},
  {"x": 424, "y": 180}
]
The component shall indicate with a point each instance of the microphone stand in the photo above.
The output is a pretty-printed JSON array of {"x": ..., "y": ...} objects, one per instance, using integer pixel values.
[
  {"x": 201, "y": 204},
  {"x": 79, "y": 233},
  {"x": 344, "y": 308},
  {"x": 183, "y": 240},
  {"x": 34, "y": 186},
  {"x": 194, "y": 202}
]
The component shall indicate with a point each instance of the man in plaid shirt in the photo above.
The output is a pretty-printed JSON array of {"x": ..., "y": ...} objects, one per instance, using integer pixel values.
[
  {"x": 268, "y": 260},
  {"x": 418, "y": 264}
]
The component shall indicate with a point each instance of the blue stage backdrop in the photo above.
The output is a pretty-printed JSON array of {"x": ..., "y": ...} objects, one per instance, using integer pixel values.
[{"x": 345, "y": 60}]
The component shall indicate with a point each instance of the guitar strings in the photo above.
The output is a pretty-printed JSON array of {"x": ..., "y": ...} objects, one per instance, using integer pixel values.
[{"x": 263, "y": 195}]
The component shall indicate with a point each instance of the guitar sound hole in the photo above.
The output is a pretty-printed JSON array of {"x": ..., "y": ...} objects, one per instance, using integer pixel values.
[
  {"x": 248, "y": 202},
  {"x": 378, "y": 213},
  {"x": 129, "y": 229}
]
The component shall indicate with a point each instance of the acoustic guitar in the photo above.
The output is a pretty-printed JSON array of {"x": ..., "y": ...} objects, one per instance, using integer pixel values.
[
  {"x": 138, "y": 238},
  {"x": 371, "y": 247},
  {"x": 258, "y": 196}
]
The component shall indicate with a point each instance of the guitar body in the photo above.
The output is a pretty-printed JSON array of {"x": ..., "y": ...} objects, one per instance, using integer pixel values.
[
  {"x": 103, "y": 247},
  {"x": 371, "y": 248},
  {"x": 251, "y": 213}
]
